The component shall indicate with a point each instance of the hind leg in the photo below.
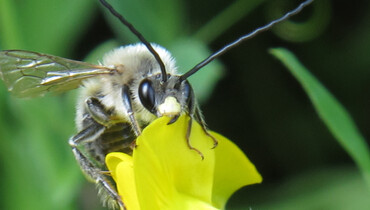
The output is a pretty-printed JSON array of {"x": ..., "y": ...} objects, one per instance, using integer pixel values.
[
  {"x": 89, "y": 167},
  {"x": 97, "y": 122}
]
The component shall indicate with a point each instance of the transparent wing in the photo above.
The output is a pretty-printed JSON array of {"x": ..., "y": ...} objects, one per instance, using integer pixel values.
[{"x": 30, "y": 74}]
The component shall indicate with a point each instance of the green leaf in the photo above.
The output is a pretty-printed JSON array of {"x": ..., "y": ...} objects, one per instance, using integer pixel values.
[
  {"x": 48, "y": 27},
  {"x": 331, "y": 112},
  {"x": 39, "y": 170}
]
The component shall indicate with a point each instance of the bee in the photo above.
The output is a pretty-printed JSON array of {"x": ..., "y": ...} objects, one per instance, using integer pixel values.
[{"x": 132, "y": 86}]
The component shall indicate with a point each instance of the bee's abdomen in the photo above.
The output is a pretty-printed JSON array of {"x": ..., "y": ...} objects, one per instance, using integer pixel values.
[{"x": 117, "y": 138}]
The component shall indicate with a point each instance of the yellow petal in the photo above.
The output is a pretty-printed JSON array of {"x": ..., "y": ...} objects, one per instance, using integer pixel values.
[
  {"x": 233, "y": 170},
  {"x": 121, "y": 167},
  {"x": 169, "y": 170},
  {"x": 164, "y": 173}
]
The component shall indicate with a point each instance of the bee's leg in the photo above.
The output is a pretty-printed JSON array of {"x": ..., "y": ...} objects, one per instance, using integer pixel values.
[
  {"x": 192, "y": 108},
  {"x": 90, "y": 168},
  {"x": 188, "y": 132},
  {"x": 173, "y": 119},
  {"x": 98, "y": 112},
  {"x": 127, "y": 103},
  {"x": 200, "y": 119}
]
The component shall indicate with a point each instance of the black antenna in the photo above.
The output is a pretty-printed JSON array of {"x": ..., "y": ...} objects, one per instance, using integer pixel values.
[
  {"x": 243, "y": 38},
  {"x": 138, "y": 35}
]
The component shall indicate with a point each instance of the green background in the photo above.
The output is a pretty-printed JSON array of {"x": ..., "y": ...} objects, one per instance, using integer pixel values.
[{"x": 246, "y": 95}]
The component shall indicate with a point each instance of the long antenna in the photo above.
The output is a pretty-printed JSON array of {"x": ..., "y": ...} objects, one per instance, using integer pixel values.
[
  {"x": 243, "y": 38},
  {"x": 138, "y": 35}
]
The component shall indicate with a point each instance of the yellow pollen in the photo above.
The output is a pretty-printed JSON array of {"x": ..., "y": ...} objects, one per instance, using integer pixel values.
[{"x": 170, "y": 107}]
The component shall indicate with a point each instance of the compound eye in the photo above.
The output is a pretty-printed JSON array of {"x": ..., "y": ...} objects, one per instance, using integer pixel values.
[
  {"x": 147, "y": 95},
  {"x": 188, "y": 93}
]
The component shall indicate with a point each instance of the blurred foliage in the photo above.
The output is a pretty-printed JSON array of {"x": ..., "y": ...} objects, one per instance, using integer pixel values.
[
  {"x": 331, "y": 112},
  {"x": 256, "y": 103},
  {"x": 300, "y": 31}
]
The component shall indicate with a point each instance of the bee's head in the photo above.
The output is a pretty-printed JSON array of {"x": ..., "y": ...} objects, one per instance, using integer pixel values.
[
  {"x": 169, "y": 98},
  {"x": 164, "y": 94}
]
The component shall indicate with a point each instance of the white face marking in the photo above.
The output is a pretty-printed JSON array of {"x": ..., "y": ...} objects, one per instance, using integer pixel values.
[{"x": 170, "y": 107}]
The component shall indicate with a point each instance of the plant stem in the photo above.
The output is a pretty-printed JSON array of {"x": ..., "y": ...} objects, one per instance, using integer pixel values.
[
  {"x": 226, "y": 19},
  {"x": 10, "y": 36}
]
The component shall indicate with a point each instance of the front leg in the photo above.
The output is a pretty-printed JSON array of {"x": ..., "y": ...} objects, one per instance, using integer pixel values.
[
  {"x": 191, "y": 111},
  {"x": 99, "y": 112},
  {"x": 103, "y": 116},
  {"x": 200, "y": 119},
  {"x": 127, "y": 103},
  {"x": 194, "y": 112}
]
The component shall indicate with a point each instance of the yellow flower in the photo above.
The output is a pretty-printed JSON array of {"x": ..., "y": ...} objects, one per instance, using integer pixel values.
[{"x": 164, "y": 173}]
